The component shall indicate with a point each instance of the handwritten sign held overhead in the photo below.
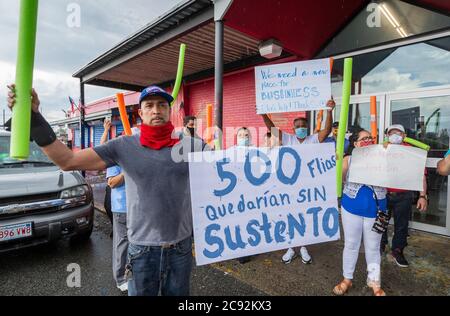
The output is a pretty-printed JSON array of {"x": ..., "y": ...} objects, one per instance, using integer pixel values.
[
  {"x": 397, "y": 167},
  {"x": 247, "y": 201},
  {"x": 293, "y": 87}
]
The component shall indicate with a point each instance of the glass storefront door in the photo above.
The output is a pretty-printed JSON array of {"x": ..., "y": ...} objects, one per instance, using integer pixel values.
[{"x": 426, "y": 117}]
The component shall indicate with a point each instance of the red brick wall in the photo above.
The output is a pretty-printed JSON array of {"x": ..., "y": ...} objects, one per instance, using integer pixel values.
[
  {"x": 197, "y": 97},
  {"x": 239, "y": 106}
]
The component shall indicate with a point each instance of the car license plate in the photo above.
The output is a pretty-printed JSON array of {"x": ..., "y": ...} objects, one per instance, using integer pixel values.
[{"x": 18, "y": 231}]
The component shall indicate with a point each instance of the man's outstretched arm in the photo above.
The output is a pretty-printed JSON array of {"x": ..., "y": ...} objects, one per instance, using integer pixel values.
[{"x": 67, "y": 160}]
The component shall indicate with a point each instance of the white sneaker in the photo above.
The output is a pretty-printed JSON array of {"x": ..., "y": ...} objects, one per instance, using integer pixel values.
[
  {"x": 306, "y": 258},
  {"x": 288, "y": 256},
  {"x": 123, "y": 287}
]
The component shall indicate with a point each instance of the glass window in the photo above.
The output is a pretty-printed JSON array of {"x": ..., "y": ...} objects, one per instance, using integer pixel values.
[
  {"x": 405, "y": 68},
  {"x": 36, "y": 154},
  {"x": 428, "y": 120},
  {"x": 425, "y": 119},
  {"x": 385, "y": 21},
  {"x": 436, "y": 213}
]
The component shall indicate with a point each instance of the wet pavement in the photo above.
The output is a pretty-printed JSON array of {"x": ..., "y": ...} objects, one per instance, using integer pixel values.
[
  {"x": 43, "y": 270},
  {"x": 428, "y": 274}
]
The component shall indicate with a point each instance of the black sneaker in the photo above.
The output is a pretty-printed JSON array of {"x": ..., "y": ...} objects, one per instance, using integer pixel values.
[{"x": 399, "y": 258}]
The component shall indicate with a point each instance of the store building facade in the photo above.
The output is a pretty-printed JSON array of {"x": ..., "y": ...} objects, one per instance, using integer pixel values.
[{"x": 401, "y": 52}]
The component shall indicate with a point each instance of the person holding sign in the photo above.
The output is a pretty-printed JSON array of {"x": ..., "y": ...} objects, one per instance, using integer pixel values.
[
  {"x": 399, "y": 203},
  {"x": 301, "y": 137},
  {"x": 159, "y": 217},
  {"x": 360, "y": 205},
  {"x": 333, "y": 137},
  {"x": 301, "y": 129},
  {"x": 244, "y": 139},
  {"x": 268, "y": 140}
]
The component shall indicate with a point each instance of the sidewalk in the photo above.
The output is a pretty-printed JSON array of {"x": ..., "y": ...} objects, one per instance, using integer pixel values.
[{"x": 428, "y": 274}]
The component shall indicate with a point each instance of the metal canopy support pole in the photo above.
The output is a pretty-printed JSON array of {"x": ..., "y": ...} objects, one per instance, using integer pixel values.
[
  {"x": 220, "y": 9},
  {"x": 218, "y": 109}
]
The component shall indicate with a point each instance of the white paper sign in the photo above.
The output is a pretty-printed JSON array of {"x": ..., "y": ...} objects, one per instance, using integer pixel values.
[
  {"x": 247, "y": 201},
  {"x": 293, "y": 87},
  {"x": 397, "y": 166}
]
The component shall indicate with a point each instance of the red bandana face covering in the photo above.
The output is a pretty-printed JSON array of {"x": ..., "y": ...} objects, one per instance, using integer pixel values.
[
  {"x": 158, "y": 137},
  {"x": 366, "y": 143}
]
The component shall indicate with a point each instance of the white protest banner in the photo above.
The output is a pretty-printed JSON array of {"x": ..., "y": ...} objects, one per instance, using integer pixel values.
[
  {"x": 247, "y": 201},
  {"x": 397, "y": 166},
  {"x": 293, "y": 87}
]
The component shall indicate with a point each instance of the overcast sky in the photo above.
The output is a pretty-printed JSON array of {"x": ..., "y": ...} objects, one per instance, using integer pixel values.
[{"x": 61, "y": 49}]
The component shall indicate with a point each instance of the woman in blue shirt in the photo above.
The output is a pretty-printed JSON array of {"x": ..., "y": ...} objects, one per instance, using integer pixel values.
[{"x": 359, "y": 211}]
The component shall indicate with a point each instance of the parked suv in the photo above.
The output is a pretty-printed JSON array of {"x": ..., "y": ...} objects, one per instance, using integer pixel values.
[{"x": 40, "y": 203}]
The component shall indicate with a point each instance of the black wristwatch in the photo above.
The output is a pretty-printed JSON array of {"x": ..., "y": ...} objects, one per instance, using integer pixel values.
[{"x": 424, "y": 197}]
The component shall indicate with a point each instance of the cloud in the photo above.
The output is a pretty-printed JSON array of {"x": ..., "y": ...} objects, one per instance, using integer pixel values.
[
  {"x": 104, "y": 23},
  {"x": 61, "y": 50},
  {"x": 53, "y": 87},
  {"x": 389, "y": 80},
  {"x": 409, "y": 68}
]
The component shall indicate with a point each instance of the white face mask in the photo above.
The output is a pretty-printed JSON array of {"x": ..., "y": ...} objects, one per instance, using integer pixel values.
[{"x": 395, "y": 139}]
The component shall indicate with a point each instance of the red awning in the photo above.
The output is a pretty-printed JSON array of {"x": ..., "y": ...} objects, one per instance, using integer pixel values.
[{"x": 283, "y": 21}]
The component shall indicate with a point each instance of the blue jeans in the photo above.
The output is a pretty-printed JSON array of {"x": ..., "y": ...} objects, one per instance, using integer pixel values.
[{"x": 152, "y": 270}]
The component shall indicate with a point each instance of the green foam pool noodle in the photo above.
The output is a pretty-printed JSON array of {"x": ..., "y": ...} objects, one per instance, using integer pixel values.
[
  {"x": 21, "y": 116},
  {"x": 416, "y": 143},
  {"x": 217, "y": 144},
  {"x": 179, "y": 79},
  {"x": 346, "y": 92}
]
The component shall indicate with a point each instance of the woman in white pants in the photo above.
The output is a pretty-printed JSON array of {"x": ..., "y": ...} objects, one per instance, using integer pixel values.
[{"x": 360, "y": 204}]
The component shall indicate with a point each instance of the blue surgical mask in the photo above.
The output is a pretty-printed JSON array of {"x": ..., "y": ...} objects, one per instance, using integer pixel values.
[
  {"x": 301, "y": 132},
  {"x": 243, "y": 142}
]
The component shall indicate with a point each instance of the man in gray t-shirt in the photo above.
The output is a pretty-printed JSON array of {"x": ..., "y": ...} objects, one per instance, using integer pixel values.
[{"x": 158, "y": 195}]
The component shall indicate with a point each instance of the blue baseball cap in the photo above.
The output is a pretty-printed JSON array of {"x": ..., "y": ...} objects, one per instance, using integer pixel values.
[{"x": 155, "y": 90}]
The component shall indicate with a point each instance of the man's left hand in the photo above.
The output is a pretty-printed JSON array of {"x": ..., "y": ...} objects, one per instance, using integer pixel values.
[{"x": 422, "y": 204}]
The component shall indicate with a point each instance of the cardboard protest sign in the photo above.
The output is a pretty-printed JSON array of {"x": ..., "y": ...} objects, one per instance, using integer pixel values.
[
  {"x": 397, "y": 166},
  {"x": 293, "y": 87},
  {"x": 247, "y": 201}
]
